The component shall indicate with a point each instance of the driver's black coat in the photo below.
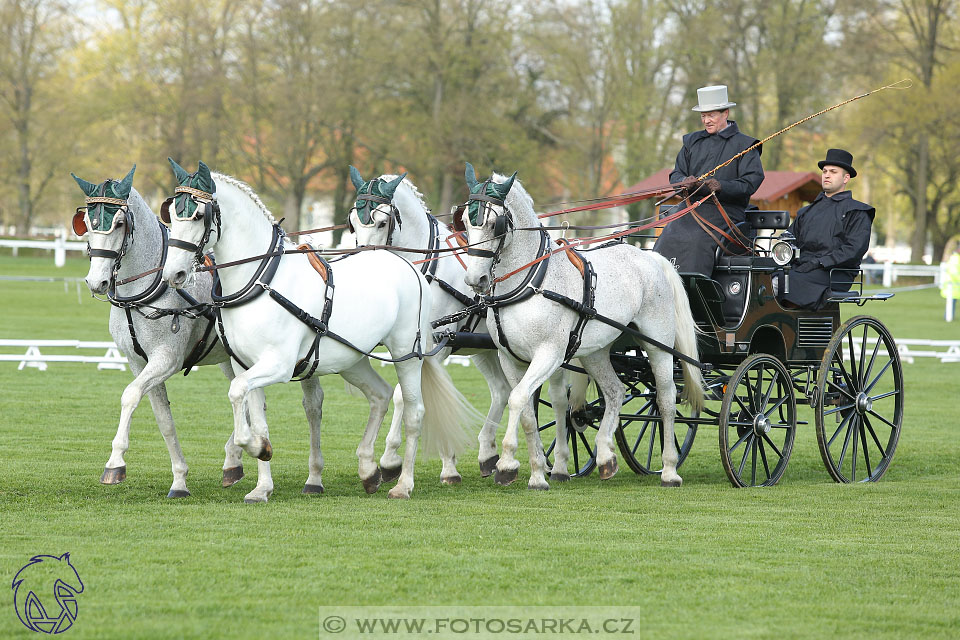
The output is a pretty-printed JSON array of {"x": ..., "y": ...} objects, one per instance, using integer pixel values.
[
  {"x": 683, "y": 241},
  {"x": 833, "y": 232}
]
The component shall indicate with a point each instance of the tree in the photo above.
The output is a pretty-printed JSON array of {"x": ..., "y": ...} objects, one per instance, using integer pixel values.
[{"x": 33, "y": 36}]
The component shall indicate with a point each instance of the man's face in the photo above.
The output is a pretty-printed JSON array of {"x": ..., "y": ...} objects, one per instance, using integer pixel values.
[
  {"x": 714, "y": 121},
  {"x": 833, "y": 179}
]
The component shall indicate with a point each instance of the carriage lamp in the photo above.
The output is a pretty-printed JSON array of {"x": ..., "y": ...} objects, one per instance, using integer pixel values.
[{"x": 783, "y": 252}]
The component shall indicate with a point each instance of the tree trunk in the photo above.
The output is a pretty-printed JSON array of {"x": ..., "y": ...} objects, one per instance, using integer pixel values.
[
  {"x": 23, "y": 187},
  {"x": 292, "y": 206},
  {"x": 919, "y": 240},
  {"x": 446, "y": 194}
]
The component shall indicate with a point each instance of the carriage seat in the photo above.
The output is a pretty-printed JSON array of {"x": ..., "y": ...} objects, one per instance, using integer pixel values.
[{"x": 706, "y": 298}]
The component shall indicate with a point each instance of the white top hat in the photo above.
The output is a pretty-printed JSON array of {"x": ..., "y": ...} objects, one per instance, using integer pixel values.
[{"x": 713, "y": 98}]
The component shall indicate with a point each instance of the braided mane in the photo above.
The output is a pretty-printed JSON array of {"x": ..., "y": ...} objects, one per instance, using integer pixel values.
[
  {"x": 248, "y": 191},
  {"x": 413, "y": 188}
]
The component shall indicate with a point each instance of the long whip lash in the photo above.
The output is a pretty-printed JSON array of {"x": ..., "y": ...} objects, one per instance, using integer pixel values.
[{"x": 799, "y": 122}]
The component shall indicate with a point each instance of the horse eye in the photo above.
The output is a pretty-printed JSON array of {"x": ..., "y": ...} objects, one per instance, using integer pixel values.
[{"x": 381, "y": 225}]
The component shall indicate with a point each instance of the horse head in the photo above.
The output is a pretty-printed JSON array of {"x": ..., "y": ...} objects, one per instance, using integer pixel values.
[
  {"x": 107, "y": 223},
  {"x": 193, "y": 214},
  {"x": 374, "y": 217},
  {"x": 488, "y": 222}
]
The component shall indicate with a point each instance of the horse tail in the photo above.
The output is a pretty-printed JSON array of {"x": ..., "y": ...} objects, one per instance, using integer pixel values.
[
  {"x": 686, "y": 335},
  {"x": 449, "y": 420}
]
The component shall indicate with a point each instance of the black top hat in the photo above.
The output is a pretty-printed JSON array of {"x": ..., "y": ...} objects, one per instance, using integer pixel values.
[{"x": 839, "y": 158}]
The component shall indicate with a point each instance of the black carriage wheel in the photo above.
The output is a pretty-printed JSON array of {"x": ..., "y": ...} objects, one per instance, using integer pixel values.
[
  {"x": 758, "y": 422},
  {"x": 580, "y": 440},
  {"x": 860, "y": 410},
  {"x": 640, "y": 435}
]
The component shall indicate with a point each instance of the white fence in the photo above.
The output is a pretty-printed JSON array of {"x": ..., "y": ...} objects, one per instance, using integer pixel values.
[{"x": 60, "y": 245}]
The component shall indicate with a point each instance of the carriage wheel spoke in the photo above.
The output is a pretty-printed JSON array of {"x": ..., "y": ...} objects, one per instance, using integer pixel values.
[
  {"x": 863, "y": 353},
  {"x": 743, "y": 407},
  {"x": 770, "y": 442},
  {"x": 839, "y": 429},
  {"x": 753, "y": 463},
  {"x": 653, "y": 436},
  {"x": 763, "y": 457},
  {"x": 866, "y": 452},
  {"x": 853, "y": 357},
  {"x": 586, "y": 445},
  {"x": 877, "y": 415},
  {"x": 576, "y": 454},
  {"x": 879, "y": 375},
  {"x": 843, "y": 408},
  {"x": 776, "y": 405},
  {"x": 746, "y": 452},
  {"x": 846, "y": 443},
  {"x": 766, "y": 396},
  {"x": 636, "y": 445},
  {"x": 885, "y": 395},
  {"x": 739, "y": 442},
  {"x": 873, "y": 434},
  {"x": 841, "y": 389},
  {"x": 873, "y": 358},
  {"x": 846, "y": 376},
  {"x": 853, "y": 459}
]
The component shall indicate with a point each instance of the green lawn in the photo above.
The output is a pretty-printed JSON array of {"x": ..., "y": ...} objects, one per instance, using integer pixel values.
[{"x": 807, "y": 558}]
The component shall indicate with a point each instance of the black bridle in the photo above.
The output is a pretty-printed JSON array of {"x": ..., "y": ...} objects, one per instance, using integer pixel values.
[
  {"x": 207, "y": 209},
  {"x": 394, "y": 220},
  {"x": 501, "y": 225}
]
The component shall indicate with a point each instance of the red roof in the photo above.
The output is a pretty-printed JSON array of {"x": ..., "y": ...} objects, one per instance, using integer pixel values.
[{"x": 776, "y": 184}]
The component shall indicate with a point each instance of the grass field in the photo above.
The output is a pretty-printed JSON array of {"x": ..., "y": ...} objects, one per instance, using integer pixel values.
[{"x": 807, "y": 558}]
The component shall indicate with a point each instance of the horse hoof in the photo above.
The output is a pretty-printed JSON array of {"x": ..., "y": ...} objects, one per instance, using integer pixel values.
[
  {"x": 488, "y": 466},
  {"x": 266, "y": 452},
  {"x": 178, "y": 493},
  {"x": 313, "y": 488},
  {"x": 608, "y": 469},
  {"x": 116, "y": 475},
  {"x": 452, "y": 480},
  {"x": 232, "y": 476},
  {"x": 505, "y": 478},
  {"x": 398, "y": 494},
  {"x": 539, "y": 487},
  {"x": 389, "y": 475},
  {"x": 560, "y": 477},
  {"x": 671, "y": 483},
  {"x": 255, "y": 500},
  {"x": 371, "y": 484}
]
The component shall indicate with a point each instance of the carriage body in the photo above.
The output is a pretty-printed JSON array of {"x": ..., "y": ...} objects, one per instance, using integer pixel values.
[{"x": 762, "y": 360}]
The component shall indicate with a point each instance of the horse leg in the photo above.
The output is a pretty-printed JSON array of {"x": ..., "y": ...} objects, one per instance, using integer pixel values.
[
  {"x": 544, "y": 363},
  {"x": 313, "y": 406},
  {"x": 154, "y": 372},
  {"x": 489, "y": 365},
  {"x": 601, "y": 370},
  {"x": 377, "y": 392},
  {"x": 410, "y": 375},
  {"x": 255, "y": 412},
  {"x": 256, "y": 441},
  {"x": 233, "y": 455},
  {"x": 391, "y": 461},
  {"x": 661, "y": 363},
  {"x": 161, "y": 408},
  {"x": 561, "y": 451}
]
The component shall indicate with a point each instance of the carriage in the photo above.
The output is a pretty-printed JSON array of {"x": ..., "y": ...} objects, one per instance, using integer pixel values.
[{"x": 760, "y": 361}]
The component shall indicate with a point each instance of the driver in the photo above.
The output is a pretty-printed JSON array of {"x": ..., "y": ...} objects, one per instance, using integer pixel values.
[
  {"x": 684, "y": 241},
  {"x": 833, "y": 232}
]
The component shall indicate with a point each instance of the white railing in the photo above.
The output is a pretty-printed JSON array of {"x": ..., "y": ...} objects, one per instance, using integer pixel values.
[
  {"x": 111, "y": 359},
  {"x": 33, "y": 357},
  {"x": 60, "y": 245}
]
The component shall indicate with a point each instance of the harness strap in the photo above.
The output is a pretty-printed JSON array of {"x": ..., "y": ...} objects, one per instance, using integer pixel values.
[
  {"x": 262, "y": 276},
  {"x": 203, "y": 348},
  {"x": 588, "y": 311},
  {"x": 133, "y": 334},
  {"x": 579, "y": 308}
]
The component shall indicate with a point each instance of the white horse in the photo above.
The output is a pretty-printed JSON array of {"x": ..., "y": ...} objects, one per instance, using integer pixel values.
[
  {"x": 159, "y": 330},
  {"x": 405, "y": 222},
  {"x": 633, "y": 287},
  {"x": 289, "y": 322}
]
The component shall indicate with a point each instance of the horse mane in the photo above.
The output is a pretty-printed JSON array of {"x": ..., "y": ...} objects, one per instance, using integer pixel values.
[
  {"x": 518, "y": 200},
  {"x": 248, "y": 191},
  {"x": 413, "y": 189},
  {"x": 139, "y": 204}
]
